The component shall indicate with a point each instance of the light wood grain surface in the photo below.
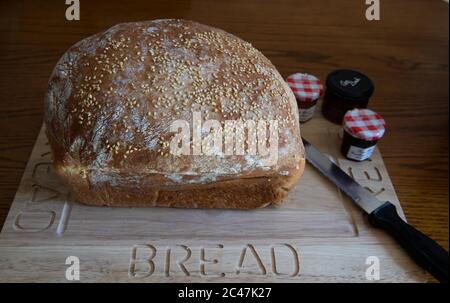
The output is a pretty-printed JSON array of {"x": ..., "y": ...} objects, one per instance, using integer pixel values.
[
  {"x": 405, "y": 53},
  {"x": 316, "y": 235}
]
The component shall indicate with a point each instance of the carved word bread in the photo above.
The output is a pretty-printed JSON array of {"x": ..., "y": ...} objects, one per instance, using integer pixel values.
[{"x": 117, "y": 101}]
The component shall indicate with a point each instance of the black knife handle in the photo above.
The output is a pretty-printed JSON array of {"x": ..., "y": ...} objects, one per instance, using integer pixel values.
[{"x": 421, "y": 248}]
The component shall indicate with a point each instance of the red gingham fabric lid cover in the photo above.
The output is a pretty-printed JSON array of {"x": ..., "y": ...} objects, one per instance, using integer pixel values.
[
  {"x": 364, "y": 124},
  {"x": 306, "y": 88}
]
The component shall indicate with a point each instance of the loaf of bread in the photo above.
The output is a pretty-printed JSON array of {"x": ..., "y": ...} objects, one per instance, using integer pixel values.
[{"x": 113, "y": 99}]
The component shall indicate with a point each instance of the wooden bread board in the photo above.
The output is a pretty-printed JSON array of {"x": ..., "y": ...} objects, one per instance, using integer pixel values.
[{"x": 317, "y": 235}]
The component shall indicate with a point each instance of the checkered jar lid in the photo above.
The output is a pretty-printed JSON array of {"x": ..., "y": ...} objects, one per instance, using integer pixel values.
[
  {"x": 306, "y": 88},
  {"x": 364, "y": 124}
]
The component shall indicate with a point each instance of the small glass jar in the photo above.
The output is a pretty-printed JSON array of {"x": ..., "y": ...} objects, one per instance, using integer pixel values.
[
  {"x": 346, "y": 90},
  {"x": 307, "y": 90},
  {"x": 362, "y": 130}
]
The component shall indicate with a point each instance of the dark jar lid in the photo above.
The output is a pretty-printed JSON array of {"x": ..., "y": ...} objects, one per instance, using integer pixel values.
[{"x": 350, "y": 85}]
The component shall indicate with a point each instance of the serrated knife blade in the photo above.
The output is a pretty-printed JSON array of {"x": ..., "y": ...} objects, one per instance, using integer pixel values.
[{"x": 344, "y": 182}]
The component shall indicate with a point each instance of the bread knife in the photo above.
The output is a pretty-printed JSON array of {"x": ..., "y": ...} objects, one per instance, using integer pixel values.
[{"x": 422, "y": 249}]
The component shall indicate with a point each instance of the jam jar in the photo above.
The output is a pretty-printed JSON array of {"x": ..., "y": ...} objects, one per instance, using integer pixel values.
[
  {"x": 307, "y": 90},
  {"x": 345, "y": 90},
  {"x": 362, "y": 130}
]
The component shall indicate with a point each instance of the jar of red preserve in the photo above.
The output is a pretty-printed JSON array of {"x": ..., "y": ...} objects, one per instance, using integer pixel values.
[
  {"x": 362, "y": 130},
  {"x": 307, "y": 90},
  {"x": 345, "y": 89}
]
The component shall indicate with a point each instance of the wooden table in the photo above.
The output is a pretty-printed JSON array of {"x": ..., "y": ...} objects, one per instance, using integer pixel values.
[{"x": 405, "y": 53}]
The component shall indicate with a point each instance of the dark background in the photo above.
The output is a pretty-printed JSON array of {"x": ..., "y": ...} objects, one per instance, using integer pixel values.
[{"x": 405, "y": 54}]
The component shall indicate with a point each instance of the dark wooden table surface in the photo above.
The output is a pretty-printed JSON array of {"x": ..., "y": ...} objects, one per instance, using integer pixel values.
[{"x": 405, "y": 53}]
